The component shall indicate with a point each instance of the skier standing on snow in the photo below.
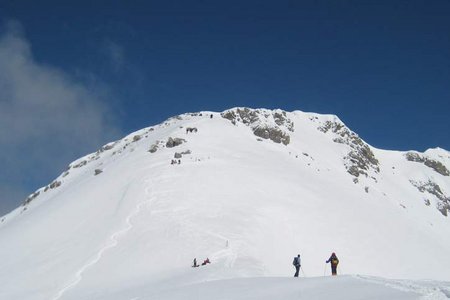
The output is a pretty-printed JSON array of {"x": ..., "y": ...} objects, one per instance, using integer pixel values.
[
  {"x": 334, "y": 263},
  {"x": 297, "y": 265}
]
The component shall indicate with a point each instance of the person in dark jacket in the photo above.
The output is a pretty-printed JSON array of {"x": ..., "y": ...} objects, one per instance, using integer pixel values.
[
  {"x": 334, "y": 263},
  {"x": 297, "y": 265}
]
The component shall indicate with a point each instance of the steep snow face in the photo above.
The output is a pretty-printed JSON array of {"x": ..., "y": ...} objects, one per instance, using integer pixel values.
[{"x": 247, "y": 188}]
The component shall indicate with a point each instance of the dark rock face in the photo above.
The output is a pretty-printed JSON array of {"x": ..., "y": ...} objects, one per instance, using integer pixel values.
[
  {"x": 153, "y": 148},
  {"x": 104, "y": 148},
  {"x": 443, "y": 204},
  {"x": 173, "y": 142},
  {"x": 433, "y": 164},
  {"x": 52, "y": 185},
  {"x": 259, "y": 120},
  {"x": 31, "y": 197},
  {"x": 191, "y": 129},
  {"x": 360, "y": 159},
  {"x": 274, "y": 134},
  {"x": 97, "y": 172},
  {"x": 80, "y": 164},
  {"x": 281, "y": 119},
  {"x": 55, "y": 184},
  {"x": 246, "y": 116},
  {"x": 108, "y": 147},
  {"x": 180, "y": 154}
]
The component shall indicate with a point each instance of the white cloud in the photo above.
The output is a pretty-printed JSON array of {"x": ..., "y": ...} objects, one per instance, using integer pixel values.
[{"x": 47, "y": 117}]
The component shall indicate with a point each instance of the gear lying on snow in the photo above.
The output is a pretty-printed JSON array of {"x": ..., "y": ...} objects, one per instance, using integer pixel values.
[{"x": 204, "y": 263}]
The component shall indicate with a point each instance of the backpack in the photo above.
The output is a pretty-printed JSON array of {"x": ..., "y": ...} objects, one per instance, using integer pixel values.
[
  {"x": 334, "y": 261},
  {"x": 295, "y": 262}
]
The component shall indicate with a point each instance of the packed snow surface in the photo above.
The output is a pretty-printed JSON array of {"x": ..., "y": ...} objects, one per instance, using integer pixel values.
[
  {"x": 339, "y": 288},
  {"x": 126, "y": 223}
]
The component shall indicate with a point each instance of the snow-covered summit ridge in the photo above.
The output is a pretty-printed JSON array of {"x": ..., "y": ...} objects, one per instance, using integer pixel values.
[{"x": 275, "y": 125}]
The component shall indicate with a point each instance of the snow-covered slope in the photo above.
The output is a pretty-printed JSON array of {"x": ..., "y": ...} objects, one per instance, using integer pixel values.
[
  {"x": 253, "y": 188},
  {"x": 318, "y": 288}
]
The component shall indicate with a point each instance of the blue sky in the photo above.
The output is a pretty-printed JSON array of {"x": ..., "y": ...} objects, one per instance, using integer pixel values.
[{"x": 76, "y": 75}]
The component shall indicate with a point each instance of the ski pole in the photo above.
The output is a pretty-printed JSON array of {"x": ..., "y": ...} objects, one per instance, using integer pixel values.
[{"x": 301, "y": 268}]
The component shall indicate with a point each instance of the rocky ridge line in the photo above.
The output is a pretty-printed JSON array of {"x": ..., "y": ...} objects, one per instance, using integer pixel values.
[
  {"x": 360, "y": 159},
  {"x": 272, "y": 125}
]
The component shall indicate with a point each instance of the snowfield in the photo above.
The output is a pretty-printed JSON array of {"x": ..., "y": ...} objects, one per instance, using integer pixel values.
[
  {"x": 253, "y": 189},
  {"x": 341, "y": 288},
  {"x": 269, "y": 288}
]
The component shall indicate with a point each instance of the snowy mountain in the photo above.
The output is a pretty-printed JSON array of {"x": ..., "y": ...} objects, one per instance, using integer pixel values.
[{"x": 248, "y": 189}]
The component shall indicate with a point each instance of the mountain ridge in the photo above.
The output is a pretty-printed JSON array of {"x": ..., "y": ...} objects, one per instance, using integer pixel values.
[
  {"x": 331, "y": 119},
  {"x": 241, "y": 193}
]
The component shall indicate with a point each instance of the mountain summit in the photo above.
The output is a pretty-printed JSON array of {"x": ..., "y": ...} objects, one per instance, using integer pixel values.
[{"x": 246, "y": 188}]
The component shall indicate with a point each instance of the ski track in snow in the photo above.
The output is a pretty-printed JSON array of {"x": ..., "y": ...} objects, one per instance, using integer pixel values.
[
  {"x": 113, "y": 240},
  {"x": 228, "y": 253}
]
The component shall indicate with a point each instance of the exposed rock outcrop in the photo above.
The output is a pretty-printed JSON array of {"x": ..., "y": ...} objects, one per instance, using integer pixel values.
[
  {"x": 443, "y": 203},
  {"x": 191, "y": 129},
  {"x": 360, "y": 159},
  {"x": 55, "y": 184},
  {"x": 266, "y": 124},
  {"x": 173, "y": 142},
  {"x": 80, "y": 164},
  {"x": 274, "y": 134},
  {"x": 31, "y": 197},
  {"x": 433, "y": 164},
  {"x": 153, "y": 148}
]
